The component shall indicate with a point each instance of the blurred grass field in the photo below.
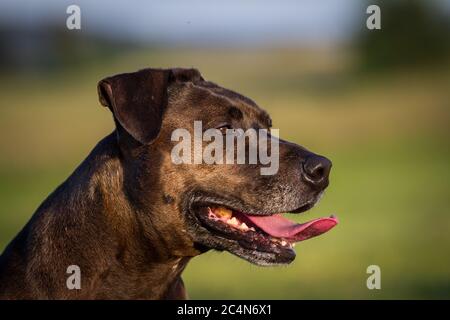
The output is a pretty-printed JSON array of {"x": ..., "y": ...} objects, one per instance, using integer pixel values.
[{"x": 387, "y": 137}]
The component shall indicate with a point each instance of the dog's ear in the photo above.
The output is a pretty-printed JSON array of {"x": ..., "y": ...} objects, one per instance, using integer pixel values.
[{"x": 137, "y": 101}]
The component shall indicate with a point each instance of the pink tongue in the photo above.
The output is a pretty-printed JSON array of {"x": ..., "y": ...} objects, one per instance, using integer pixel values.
[{"x": 280, "y": 227}]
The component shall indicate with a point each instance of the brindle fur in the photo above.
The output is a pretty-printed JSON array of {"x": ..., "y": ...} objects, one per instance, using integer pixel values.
[{"x": 122, "y": 215}]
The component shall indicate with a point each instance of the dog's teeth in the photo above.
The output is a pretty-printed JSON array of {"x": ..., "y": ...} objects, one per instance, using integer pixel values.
[
  {"x": 283, "y": 243},
  {"x": 212, "y": 216},
  {"x": 233, "y": 221},
  {"x": 252, "y": 229},
  {"x": 243, "y": 227}
]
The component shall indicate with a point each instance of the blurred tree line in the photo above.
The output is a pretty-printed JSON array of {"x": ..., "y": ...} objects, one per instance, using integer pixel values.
[
  {"x": 51, "y": 48},
  {"x": 413, "y": 33}
]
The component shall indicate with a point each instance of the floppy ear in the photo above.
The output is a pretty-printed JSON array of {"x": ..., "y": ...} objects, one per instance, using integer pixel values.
[{"x": 137, "y": 101}]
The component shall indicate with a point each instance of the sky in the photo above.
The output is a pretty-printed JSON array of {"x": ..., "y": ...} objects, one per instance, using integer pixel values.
[{"x": 200, "y": 21}]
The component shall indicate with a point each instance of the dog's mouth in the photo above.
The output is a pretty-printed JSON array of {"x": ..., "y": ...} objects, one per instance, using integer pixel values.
[{"x": 263, "y": 239}]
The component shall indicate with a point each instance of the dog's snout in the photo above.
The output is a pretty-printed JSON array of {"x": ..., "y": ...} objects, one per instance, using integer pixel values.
[{"x": 316, "y": 170}]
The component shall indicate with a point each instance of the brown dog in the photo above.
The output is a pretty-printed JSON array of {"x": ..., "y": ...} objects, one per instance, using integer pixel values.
[{"x": 130, "y": 219}]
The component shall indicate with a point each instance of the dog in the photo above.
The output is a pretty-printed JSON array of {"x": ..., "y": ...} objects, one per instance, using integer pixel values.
[{"x": 129, "y": 219}]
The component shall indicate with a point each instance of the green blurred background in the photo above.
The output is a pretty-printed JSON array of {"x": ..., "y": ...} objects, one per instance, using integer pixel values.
[{"x": 376, "y": 102}]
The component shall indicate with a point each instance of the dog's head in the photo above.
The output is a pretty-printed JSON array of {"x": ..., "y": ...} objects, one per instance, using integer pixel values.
[{"x": 192, "y": 207}]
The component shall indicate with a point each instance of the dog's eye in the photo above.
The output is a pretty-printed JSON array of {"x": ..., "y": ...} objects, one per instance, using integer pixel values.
[{"x": 223, "y": 129}]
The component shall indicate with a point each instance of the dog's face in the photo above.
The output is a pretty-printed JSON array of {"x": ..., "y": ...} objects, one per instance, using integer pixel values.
[{"x": 202, "y": 206}]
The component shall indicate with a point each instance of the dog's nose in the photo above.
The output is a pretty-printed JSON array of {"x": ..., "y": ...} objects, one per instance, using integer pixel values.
[{"x": 316, "y": 170}]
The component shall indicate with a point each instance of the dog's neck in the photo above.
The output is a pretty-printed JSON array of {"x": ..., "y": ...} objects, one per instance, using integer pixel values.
[
  {"x": 141, "y": 260},
  {"x": 90, "y": 222}
]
